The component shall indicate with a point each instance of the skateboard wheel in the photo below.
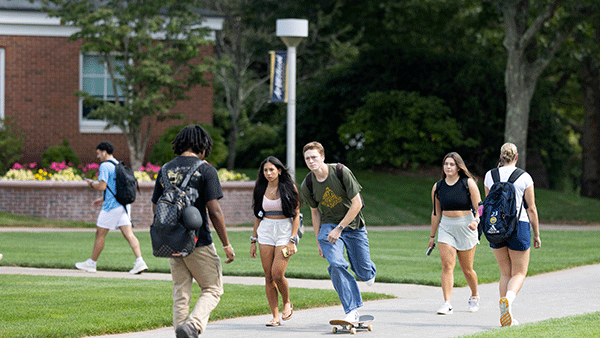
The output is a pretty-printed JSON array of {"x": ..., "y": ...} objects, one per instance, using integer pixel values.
[
  {"x": 352, "y": 330},
  {"x": 334, "y": 329},
  {"x": 370, "y": 327}
]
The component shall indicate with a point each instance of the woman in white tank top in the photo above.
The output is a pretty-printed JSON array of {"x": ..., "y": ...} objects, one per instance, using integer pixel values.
[{"x": 276, "y": 205}]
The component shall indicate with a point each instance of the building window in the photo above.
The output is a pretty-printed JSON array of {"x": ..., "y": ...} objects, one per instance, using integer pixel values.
[{"x": 96, "y": 81}]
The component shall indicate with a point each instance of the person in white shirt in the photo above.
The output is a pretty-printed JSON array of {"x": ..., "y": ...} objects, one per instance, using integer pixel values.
[{"x": 512, "y": 255}]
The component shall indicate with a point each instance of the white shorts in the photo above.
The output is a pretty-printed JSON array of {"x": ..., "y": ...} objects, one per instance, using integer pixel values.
[
  {"x": 455, "y": 232},
  {"x": 275, "y": 232},
  {"x": 114, "y": 218}
]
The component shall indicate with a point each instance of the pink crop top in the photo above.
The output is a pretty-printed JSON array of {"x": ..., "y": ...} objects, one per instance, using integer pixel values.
[{"x": 271, "y": 205}]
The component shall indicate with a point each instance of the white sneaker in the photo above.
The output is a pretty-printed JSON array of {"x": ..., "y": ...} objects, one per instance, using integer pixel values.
[
  {"x": 445, "y": 309},
  {"x": 1, "y": 256},
  {"x": 138, "y": 268},
  {"x": 505, "y": 313},
  {"x": 370, "y": 282},
  {"x": 352, "y": 317},
  {"x": 86, "y": 266},
  {"x": 473, "y": 304}
]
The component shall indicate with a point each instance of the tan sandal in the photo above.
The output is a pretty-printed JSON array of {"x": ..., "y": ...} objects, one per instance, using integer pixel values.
[
  {"x": 273, "y": 322},
  {"x": 289, "y": 316}
]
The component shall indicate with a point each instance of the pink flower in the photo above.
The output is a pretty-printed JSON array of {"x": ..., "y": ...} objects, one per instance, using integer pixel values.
[
  {"x": 17, "y": 166},
  {"x": 32, "y": 165}
]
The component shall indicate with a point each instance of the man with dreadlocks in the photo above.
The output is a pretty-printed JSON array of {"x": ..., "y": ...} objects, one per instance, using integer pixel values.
[{"x": 194, "y": 144}]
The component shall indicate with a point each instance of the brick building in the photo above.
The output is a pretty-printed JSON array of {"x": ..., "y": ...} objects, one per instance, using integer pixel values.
[{"x": 40, "y": 71}]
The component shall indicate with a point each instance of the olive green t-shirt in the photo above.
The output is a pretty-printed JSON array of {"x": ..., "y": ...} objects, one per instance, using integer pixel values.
[{"x": 329, "y": 196}]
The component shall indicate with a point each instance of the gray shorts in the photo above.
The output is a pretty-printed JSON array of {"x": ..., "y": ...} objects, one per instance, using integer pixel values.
[{"x": 455, "y": 232}]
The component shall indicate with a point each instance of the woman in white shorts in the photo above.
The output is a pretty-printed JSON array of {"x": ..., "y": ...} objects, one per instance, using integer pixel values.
[
  {"x": 276, "y": 206},
  {"x": 455, "y": 197}
]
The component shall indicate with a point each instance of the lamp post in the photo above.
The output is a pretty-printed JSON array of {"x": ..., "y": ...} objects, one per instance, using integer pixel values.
[{"x": 291, "y": 32}]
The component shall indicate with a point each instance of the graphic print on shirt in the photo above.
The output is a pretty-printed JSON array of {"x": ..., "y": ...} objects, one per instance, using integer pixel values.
[{"x": 330, "y": 199}]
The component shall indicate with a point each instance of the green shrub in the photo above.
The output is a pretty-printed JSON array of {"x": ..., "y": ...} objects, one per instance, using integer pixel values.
[
  {"x": 162, "y": 150},
  {"x": 11, "y": 144},
  {"x": 400, "y": 129},
  {"x": 58, "y": 154}
]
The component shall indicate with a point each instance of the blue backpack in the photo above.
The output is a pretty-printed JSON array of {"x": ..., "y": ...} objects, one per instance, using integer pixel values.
[{"x": 499, "y": 217}]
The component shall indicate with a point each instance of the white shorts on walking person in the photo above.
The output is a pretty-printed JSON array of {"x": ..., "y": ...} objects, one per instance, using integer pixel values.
[
  {"x": 113, "y": 215},
  {"x": 115, "y": 218}
]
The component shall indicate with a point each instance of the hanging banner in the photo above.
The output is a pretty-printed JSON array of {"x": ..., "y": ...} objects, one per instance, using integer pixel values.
[{"x": 278, "y": 90}]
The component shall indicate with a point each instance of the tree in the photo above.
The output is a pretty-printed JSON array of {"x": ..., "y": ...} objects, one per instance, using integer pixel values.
[
  {"x": 151, "y": 49},
  {"x": 529, "y": 55}
]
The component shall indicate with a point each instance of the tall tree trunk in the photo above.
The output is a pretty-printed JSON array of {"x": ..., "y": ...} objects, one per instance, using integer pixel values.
[
  {"x": 519, "y": 91},
  {"x": 522, "y": 70},
  {"x": 590, "y": 137}
]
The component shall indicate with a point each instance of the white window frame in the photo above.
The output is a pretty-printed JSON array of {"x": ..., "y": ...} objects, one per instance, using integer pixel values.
[
  {"x": 2, "y": 77},
  {"x": 91, "y": 126}
]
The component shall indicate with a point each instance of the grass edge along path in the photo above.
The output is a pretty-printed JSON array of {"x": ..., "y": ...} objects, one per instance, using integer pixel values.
[
  {"x": 113, "y": 305},
  {"x": 584, "y": 325}
]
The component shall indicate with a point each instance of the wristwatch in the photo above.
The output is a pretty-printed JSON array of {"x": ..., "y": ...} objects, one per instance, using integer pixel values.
[
  {"x": 294, "y": 239},
  {"x": 340, "y": 227},
  {"x": 253, "y": 239}
]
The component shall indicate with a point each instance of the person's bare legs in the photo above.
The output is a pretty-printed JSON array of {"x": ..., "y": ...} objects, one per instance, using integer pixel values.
[
  {"x": 99, "y": 243},
  {"x": 465, "y": 258},
  {"x": 134, "y": 243},
  {"x": 448, "y": 257},
  {"x": 267, "y": 253}
]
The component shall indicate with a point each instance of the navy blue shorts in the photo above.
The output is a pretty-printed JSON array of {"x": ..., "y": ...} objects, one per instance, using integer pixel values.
[{"x": 520, "y": 240}]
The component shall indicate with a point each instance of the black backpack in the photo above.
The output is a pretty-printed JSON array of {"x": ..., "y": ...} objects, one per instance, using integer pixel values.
[
  {"x": 340, "y": 176},
  {"x": 499, "y": 217},
  {"x": 126, "y": 184},
  {"x": 170, "y": 238}
]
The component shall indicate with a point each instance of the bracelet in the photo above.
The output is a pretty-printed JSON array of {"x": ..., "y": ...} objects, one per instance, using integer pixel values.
[
  {"x": 253, "y": 239},
  {"x": 432, "y": 236},
  {"x": 294, "y": 239},
  {"x": 91, "y": 184},
  {"x": 227, "y": 246}
]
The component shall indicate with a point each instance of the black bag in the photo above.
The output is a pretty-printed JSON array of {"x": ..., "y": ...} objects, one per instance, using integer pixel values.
[
  {"x": 125, "y": 182},
  {"x": 499, "y": 217},
  {"x": 170, "y": 238}
]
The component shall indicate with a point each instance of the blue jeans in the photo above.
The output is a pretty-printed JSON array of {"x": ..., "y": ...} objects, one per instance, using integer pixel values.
[{"x": 357, "y": 247}]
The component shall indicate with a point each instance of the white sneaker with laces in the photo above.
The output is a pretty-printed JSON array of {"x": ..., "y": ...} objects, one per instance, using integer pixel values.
[
  {"x": 138, "y": 268},
  {"x": 473, "y": 304},
  {"x": 445, "y": 309},
  {"x": 352, "y": 317},
  {"x": 86, "y": 266},
  {"x": 370, "y": 282}
]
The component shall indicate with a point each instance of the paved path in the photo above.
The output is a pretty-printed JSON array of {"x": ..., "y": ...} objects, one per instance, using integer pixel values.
[{"x": 412, "y": 314}]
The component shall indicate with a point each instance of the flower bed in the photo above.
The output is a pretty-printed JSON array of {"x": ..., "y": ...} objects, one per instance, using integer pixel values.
[{"x": 59, "y": 192}]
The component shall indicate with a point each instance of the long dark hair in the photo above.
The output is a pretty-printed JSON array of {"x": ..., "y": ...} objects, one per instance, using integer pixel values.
[{"x": 290, "y": 200}]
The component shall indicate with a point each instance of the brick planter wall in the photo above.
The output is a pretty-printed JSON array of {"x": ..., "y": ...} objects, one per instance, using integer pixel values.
[{"x": 73, "y": 201}]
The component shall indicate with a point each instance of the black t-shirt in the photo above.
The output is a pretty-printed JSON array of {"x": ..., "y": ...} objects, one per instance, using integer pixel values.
[{"x": 205, "y": 180}]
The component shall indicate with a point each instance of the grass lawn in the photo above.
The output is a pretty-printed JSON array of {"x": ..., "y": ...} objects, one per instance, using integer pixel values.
[
  {"x": 586, "y": 325},
  {"x": 76, "y": 307},
  {"x": 399, "y": 255}
]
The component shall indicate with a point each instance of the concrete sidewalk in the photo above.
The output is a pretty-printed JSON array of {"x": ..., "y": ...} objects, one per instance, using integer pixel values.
[{"x": 412, "y": 314}]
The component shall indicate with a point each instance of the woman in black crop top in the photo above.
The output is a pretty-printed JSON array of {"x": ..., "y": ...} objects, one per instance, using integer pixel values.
[{"x": 455, "y": 198}]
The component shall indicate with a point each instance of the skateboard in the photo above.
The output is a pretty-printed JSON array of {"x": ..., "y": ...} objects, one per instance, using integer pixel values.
[{"x": 350, "y": 327}]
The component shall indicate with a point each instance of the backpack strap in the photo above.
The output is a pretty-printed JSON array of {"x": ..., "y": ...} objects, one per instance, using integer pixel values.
[
  {"x": 465, "y": 183},
  {"x": 309, "y": 184},
  {"x": 495, "y": 175},
  {"x": 436, "y": 194},
  {"x": 339, "y": 171}
]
